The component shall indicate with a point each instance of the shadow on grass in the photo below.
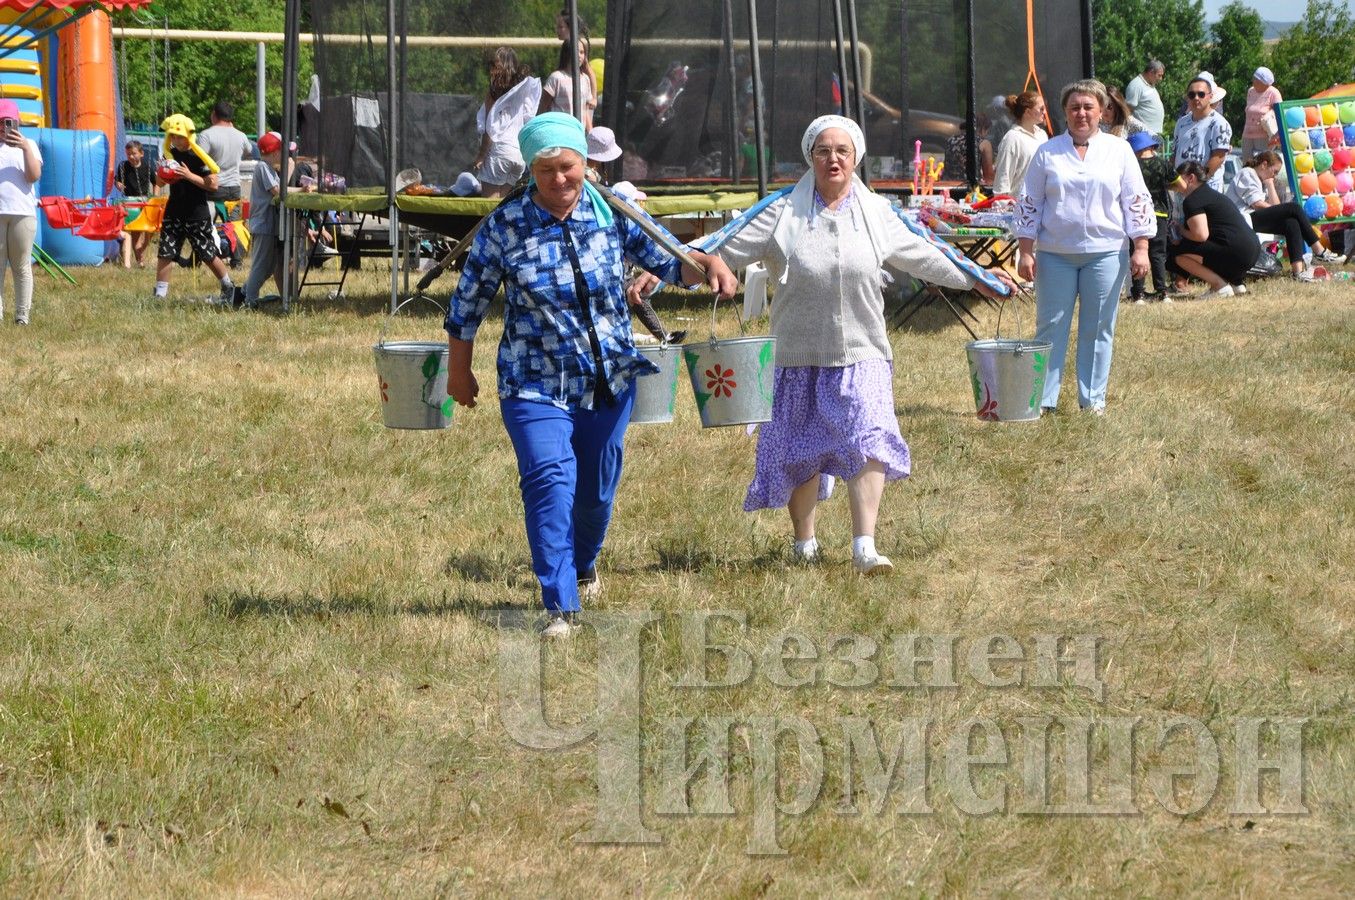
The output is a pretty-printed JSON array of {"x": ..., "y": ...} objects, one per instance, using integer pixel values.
[
  {"x": 485, "y": 569},
  {"x": 692, "y": 556},
  {"x": 246, "y": 604}
]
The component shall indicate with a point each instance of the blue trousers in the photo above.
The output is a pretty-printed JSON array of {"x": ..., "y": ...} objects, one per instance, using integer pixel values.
[
  {"x": 1060, "y": 280},
  {"x": 569, "y": 464}
]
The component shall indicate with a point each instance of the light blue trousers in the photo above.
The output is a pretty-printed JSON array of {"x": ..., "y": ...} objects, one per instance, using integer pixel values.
[{"x": 1060, "y": 280}]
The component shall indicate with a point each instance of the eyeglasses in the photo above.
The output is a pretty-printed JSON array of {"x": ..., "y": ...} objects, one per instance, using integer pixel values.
[
  {"x": 823, "y": 154},
  {"x": 1195, "y": 95}
]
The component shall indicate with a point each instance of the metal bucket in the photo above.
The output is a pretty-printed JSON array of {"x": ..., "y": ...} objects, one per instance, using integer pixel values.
[
  {"x": 412, "y": 378},
  {"x": 732, "y": 379},
  {"x": 1008, "y": 378},
  {"x": 656, "y": 394}
]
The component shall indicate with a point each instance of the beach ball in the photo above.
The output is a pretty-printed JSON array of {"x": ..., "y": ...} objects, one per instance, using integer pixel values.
[
  {"x": 1348, "y": 204},
  {"x": 1347, "y": 112},
  {"x": 1303, "y": 162},
  {"x": 1317, "y": 138},
  {"x": 1315, "y": 207},
  {"x": 1330, "y": 114},
  {"x": 1333, "y": 206},
  {"x": 1298, "y": 140},
  {"x": 1312, "y": 116},
  {"x": 1308, "y": 184},
  {"x": 1344, "y": 183},
  {"x": 1341, "y": 158},
  {"x": 1335, "y": 136},
  {"x": 1326, "y": 183},
  {"x": 1322, "y": 160},
  {"x": 1293, "y": 117}
]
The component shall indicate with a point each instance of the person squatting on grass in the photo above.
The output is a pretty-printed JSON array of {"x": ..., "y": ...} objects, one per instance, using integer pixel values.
[
  {"x": 1217, "y": 244},
  {"x": 188, "y": 214},
  {"x": 567, "y": 362},
  {"x": 20, "y": 168},
  {"x": 833, "y": 395},
  {"x": 1083, "y": 200}
]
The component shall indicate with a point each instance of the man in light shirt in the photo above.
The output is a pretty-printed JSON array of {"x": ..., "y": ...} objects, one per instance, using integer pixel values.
[
  {"x": 1142, "y": 96},
  {"x": 1203, "y": 135}
]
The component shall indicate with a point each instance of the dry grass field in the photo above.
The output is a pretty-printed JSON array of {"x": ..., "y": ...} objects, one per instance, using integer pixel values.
[{"x": 247, "y": 651}]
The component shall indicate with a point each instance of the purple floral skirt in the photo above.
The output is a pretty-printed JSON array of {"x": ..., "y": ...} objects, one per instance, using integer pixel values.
[{"x": 826, "y": 422}]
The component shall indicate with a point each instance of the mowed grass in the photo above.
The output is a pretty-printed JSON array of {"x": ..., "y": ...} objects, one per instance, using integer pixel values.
[{"x": 245, "y": 651}]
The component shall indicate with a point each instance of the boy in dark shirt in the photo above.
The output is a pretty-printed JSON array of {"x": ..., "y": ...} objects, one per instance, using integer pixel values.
[
  {"x": 188, "y": 215},
  {"x": 134, "y": 178},
  {"x": 1158, "y": 175}
]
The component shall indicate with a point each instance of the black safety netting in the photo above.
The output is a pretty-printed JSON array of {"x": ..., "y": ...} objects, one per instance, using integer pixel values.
[
  {"x": 678, "y": 87},
  {"x": 680, "y": 92}
]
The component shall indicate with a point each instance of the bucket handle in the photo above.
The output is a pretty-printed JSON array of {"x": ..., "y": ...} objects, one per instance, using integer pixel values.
[
  {"x": 997, "y": 332},
  {"x": 738, "y": 311},
  {"x": 386, "y": 320}
]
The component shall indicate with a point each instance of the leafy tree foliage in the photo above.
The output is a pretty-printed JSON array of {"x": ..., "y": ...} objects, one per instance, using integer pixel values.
[
  {"x": 1238, "y": 48},
  {"x": 1128, "y": 35},
  {"x": 1317, "y": 52}
]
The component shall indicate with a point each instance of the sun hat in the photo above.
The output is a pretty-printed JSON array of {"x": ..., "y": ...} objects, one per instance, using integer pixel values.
[
  {"x": 1142, "y": 140},
  {"x": 1218, "y": 95},
  {"x": 1263, "y": 75},
  {"x": 602, "y": 145},
  {"x": 467, "y": 185}
]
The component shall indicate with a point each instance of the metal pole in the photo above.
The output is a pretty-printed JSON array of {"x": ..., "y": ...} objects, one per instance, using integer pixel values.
[
  {"x": 1088, "y": 60},
  {"x": 841, "y": 57},
  {"x": 859, "y": 106},
  {"x": 759, "y": 131},
  {"x": 731, "y": 72},
  {"x": 285, "y": 221},
  {"x": 972, "y": 98},
  {"x": 904, "y": 86},
  {"x": 392, "y": 151},
  {"x": 260, "y": 88},
  {"x": 574, "y": 58}
]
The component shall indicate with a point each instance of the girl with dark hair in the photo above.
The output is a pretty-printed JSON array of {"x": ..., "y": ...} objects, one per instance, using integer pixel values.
[
  {"x": 1217, "y": 244},
  {"x": 511, "y": 100},
  {"x": 1020, "y": 142},
  {"x": 558, "y": 92},
  {"x": 1116, "y": 118},
  {"x": 1253, "y": 192}
]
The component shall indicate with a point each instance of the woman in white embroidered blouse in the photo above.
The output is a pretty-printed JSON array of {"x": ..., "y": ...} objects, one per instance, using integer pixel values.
[
  {"x": 1019, "y": 143},
  {"x": 511, "y": 100},
  {"x": 1083, "y": 200}
]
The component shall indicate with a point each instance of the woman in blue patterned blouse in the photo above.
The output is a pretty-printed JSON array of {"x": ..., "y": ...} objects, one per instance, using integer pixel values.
[{"x": 567, "y": 361}]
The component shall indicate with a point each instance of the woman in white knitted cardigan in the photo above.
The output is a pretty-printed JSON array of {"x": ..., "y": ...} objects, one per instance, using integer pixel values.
[{"x": 833, "y": 396}]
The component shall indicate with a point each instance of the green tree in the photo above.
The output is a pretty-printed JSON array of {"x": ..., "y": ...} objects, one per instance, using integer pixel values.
[
  {"x": 1238, "y": 48},
  {"x": 1127, "y": 35},
  {"x": 1317, "y": 52}
]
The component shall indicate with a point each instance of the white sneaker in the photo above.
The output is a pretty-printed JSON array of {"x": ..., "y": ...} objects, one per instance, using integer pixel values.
[
  {"x": 1239, "y": 289},
  {"x": 1326, "y": 256},
  {"x": 1305, "y": 275},
  {"x": 559, "y": 626},
  {"x": 1225, "y": 291},
  {"x": 872, "y": 565},
  {"x": 806, "y": 555},
  {"x": 590, "y": 585}
]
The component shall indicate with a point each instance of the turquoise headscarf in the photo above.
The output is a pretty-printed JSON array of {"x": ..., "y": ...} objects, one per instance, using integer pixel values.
[{"x": 555, "y": 129}]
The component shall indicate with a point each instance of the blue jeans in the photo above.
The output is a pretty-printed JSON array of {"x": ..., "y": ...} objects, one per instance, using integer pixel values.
[
  {"x": 1060, "y": 279},
  {"x": 569, "y": 464}
]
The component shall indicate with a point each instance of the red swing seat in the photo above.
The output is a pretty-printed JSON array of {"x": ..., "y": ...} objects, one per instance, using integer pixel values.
[
  {"x": 62, "y": 212},
  {"x": 102, "y": 223}
]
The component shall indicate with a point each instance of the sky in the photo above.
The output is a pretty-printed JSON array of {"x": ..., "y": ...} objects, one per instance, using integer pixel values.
[{"x": 1270, "y": 10}]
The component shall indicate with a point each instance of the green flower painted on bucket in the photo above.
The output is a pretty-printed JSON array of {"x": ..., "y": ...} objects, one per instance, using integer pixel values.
[
  {"x": 764, "y": 361},
  {"x": 432, "y": 368},
  {"x": 1038, "y": 364},
  {"x": 974, "y": 383},
  {"x": 693, "y": 360}
]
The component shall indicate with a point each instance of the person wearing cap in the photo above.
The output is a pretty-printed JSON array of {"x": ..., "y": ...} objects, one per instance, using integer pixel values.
[
  {"x": 1143, "y": 99},
  {"x": 1260, "y": 129},
  {"x": 188, "y": 213},
  {"x": 567, "y": 362},
  {"x": 1203, "y": 135},
  {"x": 1159, "y": 176},
  {"x": 20, "y": 168},
  {"x": 266, "y": 254},
  {"x": 824, "y": 244}
]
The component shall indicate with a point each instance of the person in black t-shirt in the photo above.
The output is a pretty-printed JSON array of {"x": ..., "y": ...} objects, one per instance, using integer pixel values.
[
  {"x": 134, "y": 178},
  {"x": 1216, "y": 245},
  {"x": 188, "y": 216}
]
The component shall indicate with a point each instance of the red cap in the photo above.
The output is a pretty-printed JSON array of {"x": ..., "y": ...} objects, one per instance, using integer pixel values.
[{"x": 270, "y": 143}]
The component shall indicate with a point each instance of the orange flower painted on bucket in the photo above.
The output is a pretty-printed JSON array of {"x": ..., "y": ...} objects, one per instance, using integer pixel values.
[
  {"x": 720, "y": 380},
  {"x": 384, "y": 386}
]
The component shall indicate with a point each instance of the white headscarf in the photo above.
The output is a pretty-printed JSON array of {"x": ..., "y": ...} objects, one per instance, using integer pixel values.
[{"x": 799, "y": 212}]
